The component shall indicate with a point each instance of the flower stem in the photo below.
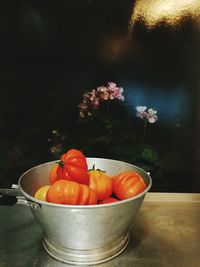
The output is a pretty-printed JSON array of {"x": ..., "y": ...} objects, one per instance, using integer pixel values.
[{"x": 143, "y": 135}]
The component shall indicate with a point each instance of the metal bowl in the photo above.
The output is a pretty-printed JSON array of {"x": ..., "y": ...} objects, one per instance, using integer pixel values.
[{"x": 83, "y": 235}]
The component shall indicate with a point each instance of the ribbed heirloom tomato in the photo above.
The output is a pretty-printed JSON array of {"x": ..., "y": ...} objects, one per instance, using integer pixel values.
[
  {"x": 76, "y": 166},
  {"x": 71, "y": 193},
  {"x": 72, "y": 166},
  {"x": 127, "y": 184},
  {"x": 101, "y": 183},
  {"x": 58, "y": 172}
]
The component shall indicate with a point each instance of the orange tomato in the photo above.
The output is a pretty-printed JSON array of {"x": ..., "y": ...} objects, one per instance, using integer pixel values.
[
  {"x": 42, "y": 192},
  {"x": 101, "y": 183},
  {"x": 53, "y": 174},
  {"x": 63, "y": 192},
  {"x": 84, "y": 194},
  {"x": 71, "y": 193},
  {"x": 127, "y": 184},
  {"x": 92, "y": 198}
]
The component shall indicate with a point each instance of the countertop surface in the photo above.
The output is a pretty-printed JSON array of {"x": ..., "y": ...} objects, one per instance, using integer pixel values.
[{"x": 166, "y": 233}]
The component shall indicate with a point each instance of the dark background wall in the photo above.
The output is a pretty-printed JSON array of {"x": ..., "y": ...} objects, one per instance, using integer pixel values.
[{"x": 51, "y": 52}]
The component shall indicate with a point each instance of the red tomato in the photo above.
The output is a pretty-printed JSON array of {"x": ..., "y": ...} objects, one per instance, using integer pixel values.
[
  {"x": 71, "y": 193},
  {"x": 42, "y": 192},
  {"x": 75, "y": 166},
  {"x": 62, "y": 173},
  {"x": 101, "y": 183},
  {"x": 77, "y": 174},
  {"x": 73, "y": 154},
  {"x": 127, "y": 184},
  {"x": 108, "y": 200},
  {"x": 58, "y": 172}
]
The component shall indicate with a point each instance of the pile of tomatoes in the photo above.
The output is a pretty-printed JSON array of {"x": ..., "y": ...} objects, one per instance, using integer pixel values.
[{"x": 71, "y": 183}]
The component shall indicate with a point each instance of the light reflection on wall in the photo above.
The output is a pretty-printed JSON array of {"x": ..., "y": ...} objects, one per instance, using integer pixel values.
[
  {"x": 172, "y": 104},
  {"x": 114, "y": 47},
  {"x": 170, "y": 11}
]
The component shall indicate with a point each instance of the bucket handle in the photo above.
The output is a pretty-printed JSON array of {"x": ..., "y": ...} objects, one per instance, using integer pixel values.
[
  {"x": 13, "y": 195},
  {"x": 8, "y": 196}
]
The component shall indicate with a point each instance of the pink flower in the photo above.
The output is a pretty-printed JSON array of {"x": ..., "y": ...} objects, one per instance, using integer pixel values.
[
  {"x": 147, "y": 113},
  {"x": 151, "y": 115},
  {"x": 115, "y": 92},
  {"x": 111, "y": 85},
  {"x": 92, "y": 99},
  {"x": 102, "y": 89},
  {"x": 141, "y": 112},
  {"x": 103, "y": 92}
]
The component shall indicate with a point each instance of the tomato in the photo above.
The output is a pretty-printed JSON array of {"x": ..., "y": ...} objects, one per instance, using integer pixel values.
[
  {"x": 53, "y": 174},
  {"x": 62, "y": 173},
  {"x": 108, "y": 200},
  {"x": 42, "y": 192},
  {"x": 73, "y": 166},
  {"x": 76, "y": 157},
  {"x": 92, "y": 198},
  {"x": 58, "y": 172},
  {"x": 83, "y": 194},
  {"x": 63, "y": 192},
  {"x": 71, "y": 193},
  {"x": 101, "y": 183},
  {"x": 127, "y": 184},
  {"x": 77, "y": 174}
]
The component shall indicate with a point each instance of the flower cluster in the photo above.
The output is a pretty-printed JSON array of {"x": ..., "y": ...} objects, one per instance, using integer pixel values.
[
  {"x": 91, "y": 100},
  {"x": 148, "y": 114}
]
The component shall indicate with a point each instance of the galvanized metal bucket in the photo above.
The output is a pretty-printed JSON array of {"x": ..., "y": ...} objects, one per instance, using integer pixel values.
[{"x": 83, "y": 235}]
